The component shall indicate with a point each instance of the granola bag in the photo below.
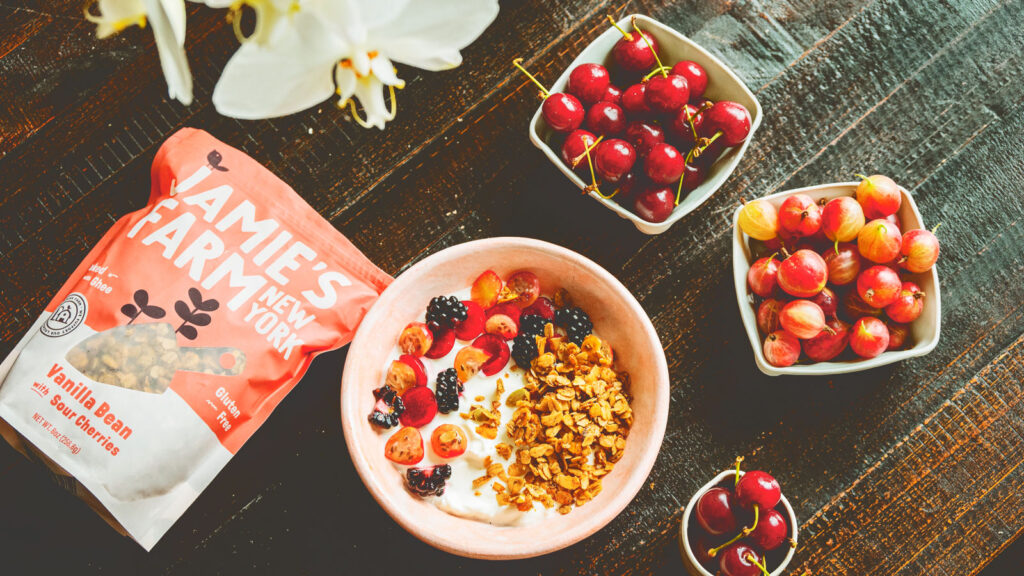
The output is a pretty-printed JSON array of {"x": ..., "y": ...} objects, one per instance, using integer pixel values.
[{"x": 179, "y": 333}]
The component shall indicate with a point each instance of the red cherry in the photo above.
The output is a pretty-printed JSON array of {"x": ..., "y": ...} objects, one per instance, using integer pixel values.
[
  {"x": 613, "y": 159},
  {"x": 606, "y": 119},
  {"x": 770, "y": 531},
  {"x": 575, "y": 147},
  {"x": 588, "y": 82},
  {"x": 680, "y": 125},
  {"x": 712, "y": 152},
  {"x": 633, "y": 101},
  {"x": 444, "y": 341},
  {"x": 644, "y": 135},
  {"x": 630, "y": 185},
  {"x": 542, "y": 307},
  {"x": 715, "y": 512},
  {"x": 729, "y": 118},
  {"x": 693, "y": 175},
  {"x": 667, "y": 93},
  {"x": 655, "y": 204},
  {"x": 612, "y": 94},
  {"x": 562, "y": 112},
  {"x": 664, "y": 164},
  {"x": 634, "y": 53},
  {"x": 757, "y": 488},
  {"x": 700, "y": 546},
  {"x": 473, "y": 325},
  {"x": 739, "y": 560},
  {"x": 420, "y": 406},
  {"x": 695, "y": 76}
]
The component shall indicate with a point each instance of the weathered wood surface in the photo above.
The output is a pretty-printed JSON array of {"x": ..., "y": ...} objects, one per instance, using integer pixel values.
[{"x": 909, "y": 469}]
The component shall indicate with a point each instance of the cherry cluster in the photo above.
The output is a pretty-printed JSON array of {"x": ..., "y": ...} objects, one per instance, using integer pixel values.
[
  {"x": 653, "y": 141},
  {"x": 831, "y": 280},
  {"x": 740, "y": 530}
]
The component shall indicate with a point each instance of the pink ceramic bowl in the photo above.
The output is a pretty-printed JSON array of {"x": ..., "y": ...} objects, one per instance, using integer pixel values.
[{"x": 617, "y": 317}]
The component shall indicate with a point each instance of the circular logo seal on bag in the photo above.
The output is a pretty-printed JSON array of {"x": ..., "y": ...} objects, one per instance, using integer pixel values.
[{"x": 68, "y": 316}]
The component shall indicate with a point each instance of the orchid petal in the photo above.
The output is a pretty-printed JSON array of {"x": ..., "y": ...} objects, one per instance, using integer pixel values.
[
  {"x": 383, "y": 69},
  {"x": 429, "y": 35},
  {"x": 370, "y": 93},
  {"x": 345, "y": 79},
  {"x": 168, "y": 22},
  {"x": 292, "y": 72}
]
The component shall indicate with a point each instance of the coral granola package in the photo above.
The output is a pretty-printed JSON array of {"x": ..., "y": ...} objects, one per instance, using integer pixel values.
[{"x": 179, "y": 334}]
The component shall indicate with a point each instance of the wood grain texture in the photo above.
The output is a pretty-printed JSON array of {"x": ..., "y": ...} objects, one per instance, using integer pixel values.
[{"x": 909, "y": 469}]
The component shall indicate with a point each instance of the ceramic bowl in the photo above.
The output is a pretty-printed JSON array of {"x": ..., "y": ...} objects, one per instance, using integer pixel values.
[
  {"x": 924, "y": 330},
  {"x": 693, "y": 567},
  {"x": 617, "y": 316},
  {"x": 723, "y": 84}
]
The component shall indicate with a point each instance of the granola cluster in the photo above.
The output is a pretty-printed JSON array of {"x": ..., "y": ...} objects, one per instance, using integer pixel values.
[{"x": 569, "y": 428}]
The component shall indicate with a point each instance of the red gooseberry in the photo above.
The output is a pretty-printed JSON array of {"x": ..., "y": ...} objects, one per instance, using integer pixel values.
[
  {"x": 878, "y": 286},
  {"x": 768, "y": 315},
  {"x": 762, "y": 276},
  {"x": 843, "y": 262},
  {"x": 879, "y": 241},
  {"x": 803, "y": 274},
  {"x": 869, "y": 337},
  {"x": 800, "y": 216},
  {"x": 908, "y": 304},
  {"x": 878, "y": 195},
  {"x": 802, "y": 318},
  {"x": 781, "y": 348},
  {"x": 898, "y": 334},
  {"x": 919, "y": 251},
  {"x": 841, "y": 219},
  {"x": 830, "y": 342}
]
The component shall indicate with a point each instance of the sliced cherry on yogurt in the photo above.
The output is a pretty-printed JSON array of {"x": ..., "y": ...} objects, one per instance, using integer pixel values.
[
  {"x": 444, "y": 341},
  {"x": 420, "y": 406},
  {"x": 498, "y": 351},
  {"x": 473, "y": 325}
]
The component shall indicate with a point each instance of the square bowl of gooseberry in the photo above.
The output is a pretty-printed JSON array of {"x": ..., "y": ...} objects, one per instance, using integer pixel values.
[
  {"x": 851, "y": 262},
  {"x": 691, "y": 143}
]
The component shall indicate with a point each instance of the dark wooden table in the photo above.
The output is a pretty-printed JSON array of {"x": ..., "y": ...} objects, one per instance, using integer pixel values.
[{"x": 908, "y": 469}]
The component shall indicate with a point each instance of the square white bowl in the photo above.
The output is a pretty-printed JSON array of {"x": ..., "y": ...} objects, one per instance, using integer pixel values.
[
  {"x": 723, "y": 84},
  {"x": 690, "y": 560},
  {"x": 924, "y": 330}
]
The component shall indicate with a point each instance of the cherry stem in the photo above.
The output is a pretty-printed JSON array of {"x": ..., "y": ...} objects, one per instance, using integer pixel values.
[
  {"x": 590, "y": 163},
  {"x": 586, "y": 151},
  {"x": 739, "y": 460},
  {"x": 743, "y": 534},
  {"x": 626, "y": 35},
  {"x": 518, "y": 63},
  {"x": 679, "y": 190},
  {"x": 689, "y": 120},
  {"x": 661, "y": 67},
  {"x": 658, "y": 70},
  {"x": 701, "y": 146},
  {"x": 764, "y": 568}
]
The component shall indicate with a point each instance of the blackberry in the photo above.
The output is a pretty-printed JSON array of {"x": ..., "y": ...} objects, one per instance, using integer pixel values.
[
  {"x": 428, "y": 481},
  {"x": 524, "y": 349},
  {"x": 388, "y": 408},
  {"x": 445, "y": 311},
  {"x": 447, "y": 391},
  {"x": 532, "y": 324},
  {"x": 576, "y": 323}
]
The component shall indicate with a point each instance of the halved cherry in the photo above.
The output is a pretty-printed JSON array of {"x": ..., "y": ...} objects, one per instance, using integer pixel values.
[
  {"x": 449, "y": 441},
  {"x": 400, "y": 376},
  {"x": 416, "y": 339},
  {"x": 543, "y": 307},
  {"x": 501, "y": 325},
  {"x": 486, "y": 289},
  {"x": 496, "y": 349},
  {"x": 468, "y": 362},
  {"x": 420, "y": 406},
  {"x": 405, "y": 446},
  {"x": 508, "y": 309},
  {"x": 444, "y": 341},
  {"x": 473, "y": 325},
  {"x": 522, "y": 289},
  {"x": 417, "y": 367}
]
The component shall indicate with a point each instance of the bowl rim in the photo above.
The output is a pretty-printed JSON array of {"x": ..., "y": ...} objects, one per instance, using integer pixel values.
[
  {"x": 467, "y": 547},
  {"x": 691, "y": 560},
  {"x": 741, "y": 266},
  {"x": 651, "y": 228}
]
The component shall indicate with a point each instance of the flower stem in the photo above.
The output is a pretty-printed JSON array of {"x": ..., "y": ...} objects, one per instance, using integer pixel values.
[
  {"x": 518, "y": 63},
  {"x": 626, "y": 35},
  {"x": 647, "y": 41}
]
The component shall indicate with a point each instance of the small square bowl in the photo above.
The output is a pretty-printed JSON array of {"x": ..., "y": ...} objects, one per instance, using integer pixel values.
[
  {"x": 694, "y": 568},
  {"x": 723, "y": 84},
  {"x": 924, "y": 330}
]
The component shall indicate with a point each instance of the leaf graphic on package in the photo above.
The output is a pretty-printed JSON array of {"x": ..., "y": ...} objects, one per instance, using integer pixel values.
[
  {"x": 200, "y": 319},
  {"x": 187, "y": 331},
  {"x": 141, "y": 306}
]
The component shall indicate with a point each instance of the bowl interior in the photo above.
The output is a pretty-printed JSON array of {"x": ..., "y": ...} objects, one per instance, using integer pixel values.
[
  {"x": 616, "y": 316},
  {"x": 690, "y": 560},
  {"x": 924, "y": 330},
  {"x": 723, "y": 84}
]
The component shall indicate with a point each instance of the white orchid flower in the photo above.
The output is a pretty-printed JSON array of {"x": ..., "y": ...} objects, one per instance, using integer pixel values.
[
  {"x": 347, "y": 47},
  {"x": 268, "y": 12},
  {"x": 167, "y": 18}
]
